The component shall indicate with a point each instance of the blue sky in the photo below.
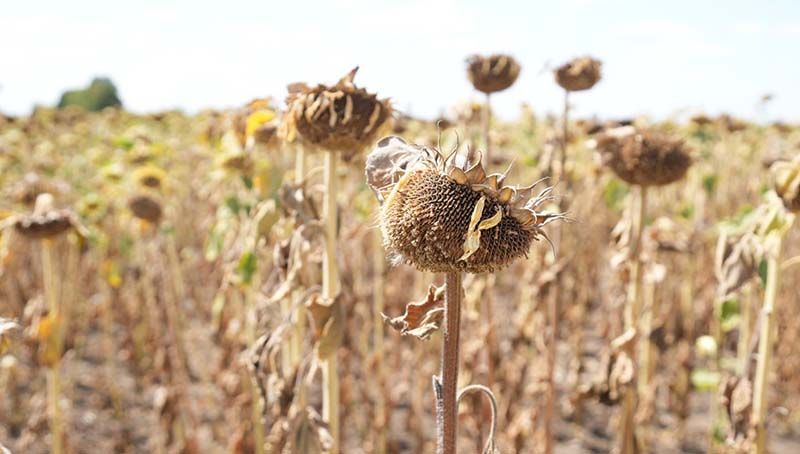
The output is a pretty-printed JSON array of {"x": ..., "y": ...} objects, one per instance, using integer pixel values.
[{"x": 660, "y": 58}]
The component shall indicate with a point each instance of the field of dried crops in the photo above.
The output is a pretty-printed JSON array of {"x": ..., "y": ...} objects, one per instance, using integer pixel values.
[{"x": 173, "y": 283}]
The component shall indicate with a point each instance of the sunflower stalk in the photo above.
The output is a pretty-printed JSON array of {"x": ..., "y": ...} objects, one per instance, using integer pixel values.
[
  {"x": 378, "y": 350},
  {"x": 765, "y": 348},
  {"x": 628, "y": 442},
  {"x": 446, "y": 385},
  {"x": 330, "y": 289},
  {"x": 52, "y": 286}
]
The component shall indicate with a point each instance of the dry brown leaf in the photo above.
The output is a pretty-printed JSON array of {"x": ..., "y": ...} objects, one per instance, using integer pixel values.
[
  {"x": 328, "y": 319},
  {"x": 420, "y": 319}
]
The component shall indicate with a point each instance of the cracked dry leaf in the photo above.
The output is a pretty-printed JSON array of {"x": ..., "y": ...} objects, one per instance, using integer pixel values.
[
  {"x": 420, "y": 319},
  {"x": 328, "y": 319}
]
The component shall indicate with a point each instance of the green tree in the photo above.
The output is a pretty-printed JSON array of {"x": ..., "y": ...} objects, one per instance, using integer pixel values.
[{"x": 101, "y": 93}]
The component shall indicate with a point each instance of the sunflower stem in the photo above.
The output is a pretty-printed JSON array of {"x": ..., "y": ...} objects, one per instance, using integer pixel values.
[
  {"x": 330, "y": 288},
  {"x": 52, "y": 287},
  {"x": 447, "y": 386},
  {"x": 565, "y": 136},
  {"x": 378, "y": 259},
  {"x": 765, "y": 349},
  {"x": 632, "y": 309},
  {"x": 487, "y": 120}
]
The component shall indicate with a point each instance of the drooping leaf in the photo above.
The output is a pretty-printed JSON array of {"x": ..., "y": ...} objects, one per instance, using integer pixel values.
[{"x": 420, "y": 319}]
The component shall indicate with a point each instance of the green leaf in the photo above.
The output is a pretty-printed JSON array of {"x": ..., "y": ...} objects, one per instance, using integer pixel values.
[
  {"x": 687, "y": 211},
  {"x": 705, "y": 380},
  {"x": 248, "y": 263},
  {"x": 710, "y": 183},
  {"x": 233, "y": 204}
]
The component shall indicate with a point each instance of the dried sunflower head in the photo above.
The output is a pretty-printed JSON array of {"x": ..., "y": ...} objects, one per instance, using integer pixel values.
[
  {"x": 579, "y": 74},
  {"x": 493, "y": 73},
  {"x": 146, "y": 207},
  {"x": 442, "y": 217},
  {"x": 45, "y": 221},
  {"x": 340, "y": 118},
  {"x": 644, "y": 158},
  {"x": 786, "y": 177}
]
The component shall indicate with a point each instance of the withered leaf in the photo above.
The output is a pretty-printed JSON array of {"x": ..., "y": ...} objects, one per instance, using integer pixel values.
[
  {"x": 328, "y": 319},
  {"x": 420, "y": 319},
  {"x": 7, "y": 327}
]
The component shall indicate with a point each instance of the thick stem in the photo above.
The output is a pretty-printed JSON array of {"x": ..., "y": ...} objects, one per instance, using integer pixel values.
[
  {"x": 765, "y": 349},
  {"x": 377, "y": 323},
  {"x": 330, "y": 288},
  {"x": 564, "y": 137},
  {"x": 447, "y": 404},
  {"x": 487, "y": 120},
  {"x": 251, "y": 325},
  {"x": 632, "y": 310},
  {"x": 51, "y": 290}
]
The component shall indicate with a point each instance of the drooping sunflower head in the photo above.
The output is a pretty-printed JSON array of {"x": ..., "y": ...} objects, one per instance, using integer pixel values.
[
  {"x": 442, "y": 216},
  {"x": 146, "y": 206},
  {"x": 45, "y": 221},
  {"x": 489, "y": 74},
  {"x": 340, "y": 118},
  {"x": 579, "y": 74},
  {"x": 786, "y": 178},
  {"x": 645, "y": 158}
]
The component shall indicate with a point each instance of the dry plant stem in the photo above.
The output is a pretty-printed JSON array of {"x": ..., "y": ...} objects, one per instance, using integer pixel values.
[
  {"x": 765, "y": 349},
  {"x": 487, "y": 121},
  {"x": 632, "y": 309},
  {"x": 564, "y": 137},
  {"x": 251, "y": 322},
  {"x": 298, "y": 333},
  {"x": 649, "y": 348},
  {"x": 377, "y": 323},
  {"x": 330, "y": 288},
  {"x": 447, "y": 403},
  {"x": 51, "y": 289}
]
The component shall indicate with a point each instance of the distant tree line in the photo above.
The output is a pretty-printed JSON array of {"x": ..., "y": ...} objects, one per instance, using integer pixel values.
[{"x": 100, "y": 93}]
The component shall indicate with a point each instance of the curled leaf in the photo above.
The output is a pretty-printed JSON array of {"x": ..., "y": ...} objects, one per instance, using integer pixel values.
[
  {"x": 328, "y": 318},
  {"x": 420, "y": 319}
]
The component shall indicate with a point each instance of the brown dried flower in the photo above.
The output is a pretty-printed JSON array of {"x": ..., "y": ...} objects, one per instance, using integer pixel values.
[
  {"x": 145, "y": 207},
  {"x": 579, "y": 74},
  {"x": 340, "y": 118},
  {"x": 493, "y": 73},
  {"x": 644, "y": 158},
  {"x": 443, "y": 217},
  {"x": 45, "y": 221}
]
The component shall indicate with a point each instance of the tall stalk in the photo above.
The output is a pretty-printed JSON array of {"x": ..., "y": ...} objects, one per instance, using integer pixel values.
[
  {"x": 565, "y": 135},
  {"x": 487, "y": 120},
  {"x": 632, "y": 310},
  {"x": 447, "y": 387},
  {"x": 52, "y": 289},
  {"x": 377, "y": 324},
  {"x": 765, "y": 348},
  {"x": 298, "y": 331},
  {"x": 330, "y": 288}
]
